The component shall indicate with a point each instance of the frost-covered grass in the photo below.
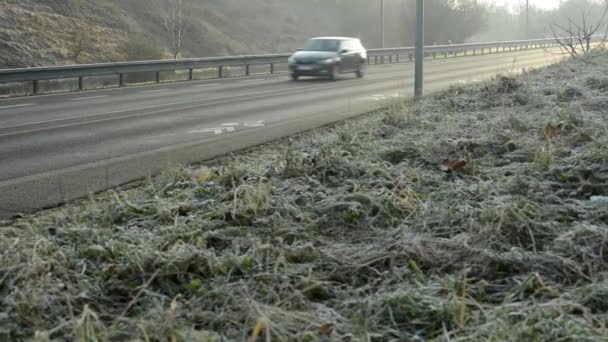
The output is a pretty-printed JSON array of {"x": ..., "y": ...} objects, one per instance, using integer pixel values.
[{"x": 357, "y": 225}]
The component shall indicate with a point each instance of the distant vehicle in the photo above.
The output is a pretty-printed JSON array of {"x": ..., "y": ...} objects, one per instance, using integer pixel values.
[{"x": 329, "y": 57}]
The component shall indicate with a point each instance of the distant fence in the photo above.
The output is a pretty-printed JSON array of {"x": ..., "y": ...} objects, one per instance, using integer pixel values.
[{"x": 188, "y": 68}]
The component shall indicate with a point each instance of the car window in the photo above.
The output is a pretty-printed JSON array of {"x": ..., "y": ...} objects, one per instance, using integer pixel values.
[
  {"x": 322, "y": 45},
  {"x": 346, "y": 45}
]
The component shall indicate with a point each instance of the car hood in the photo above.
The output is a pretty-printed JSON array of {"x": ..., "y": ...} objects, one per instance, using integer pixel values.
[{"x": 314, "y": 55}]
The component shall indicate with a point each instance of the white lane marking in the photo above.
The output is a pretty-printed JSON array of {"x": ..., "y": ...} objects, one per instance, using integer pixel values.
[
  {"x": 230, "y": 124},
  {"x": 153, "y": 91},
  {"x": 19, "y": 105},
  {"x": 89, "y": 98},
  {"x": 249, "y": 81},
  {"x": 216, "y": 130},
  {"x": 378, "y": 97},
  {"x": 207, "y": 85},
  {"x": 208, "y": 130},
  {"x": 255, "y": 124}
]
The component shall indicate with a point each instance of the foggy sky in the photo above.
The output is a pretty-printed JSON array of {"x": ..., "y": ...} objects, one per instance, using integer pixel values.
[{"x": 537, "y": 3}]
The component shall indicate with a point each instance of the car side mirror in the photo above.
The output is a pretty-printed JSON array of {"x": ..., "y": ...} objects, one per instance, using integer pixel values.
[{"x": 343, "y": 51}]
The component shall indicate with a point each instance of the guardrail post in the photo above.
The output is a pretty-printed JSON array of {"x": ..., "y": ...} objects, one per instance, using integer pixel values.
[
  {"x": 121, "y": 80},
  {"x": 410, "y": 57},
  {"x": 158, "y": 77},
  {"x": 219, "y": 72},
  {"x": 272, "y": 68},
  {"x": 375, "y": 59},
  {"x": 397, "y": 58},
  {"x": 190, "y": 74},
  {"x": 246, "y": 69},
  {"x": 35, "y": 87},
  {"x": 390, "y": 59},
  {"x": 80, "y": 83}
]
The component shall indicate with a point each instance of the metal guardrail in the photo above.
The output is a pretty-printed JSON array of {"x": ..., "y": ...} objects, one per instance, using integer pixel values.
[
  {"x": 375, "y": 56},
  {"x": 465, "y": 49}
]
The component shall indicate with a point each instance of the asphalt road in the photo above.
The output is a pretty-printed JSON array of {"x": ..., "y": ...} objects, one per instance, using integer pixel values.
[{"x": 58, "y": 147}]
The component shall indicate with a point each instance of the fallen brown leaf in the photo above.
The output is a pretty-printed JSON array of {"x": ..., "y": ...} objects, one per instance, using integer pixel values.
[
  {"x": 551, "y": 131},
  {"x": 454, "y": 165},
  {"x": 326, "y": 329}
]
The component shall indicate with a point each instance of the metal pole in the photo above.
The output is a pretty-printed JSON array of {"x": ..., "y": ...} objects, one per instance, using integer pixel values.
[
  {"x": 418, "y": 85},
  {"x": 382, "y": 21},
  {"x": 527, "y": 19}
]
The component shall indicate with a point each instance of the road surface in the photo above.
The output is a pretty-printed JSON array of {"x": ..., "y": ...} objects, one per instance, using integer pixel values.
[{"x": 58, "y": 147}]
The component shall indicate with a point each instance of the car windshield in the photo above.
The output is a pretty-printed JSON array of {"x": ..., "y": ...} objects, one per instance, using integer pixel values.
[{"x": 322, "y": 45}]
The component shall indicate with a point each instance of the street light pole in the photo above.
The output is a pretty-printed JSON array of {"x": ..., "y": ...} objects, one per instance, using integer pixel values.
[
  {"x": 527, "y": 19},
  {"x": 382, "y": 21},
  {"x": 418, "y": 84}
]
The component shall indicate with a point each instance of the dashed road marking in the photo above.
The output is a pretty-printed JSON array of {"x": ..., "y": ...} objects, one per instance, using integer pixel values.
[
  {"x": 207, "y": 85},
  {"x": 89, "y": 98},
  {"x": 17, "y": 106},
  {"x": 153, "y": 91},
  {"x": 377, "y": 97},
  {"x": 255, "y": 124},
  {"x": 230, "y": 124},
  {"x": 216, "y": 130}
]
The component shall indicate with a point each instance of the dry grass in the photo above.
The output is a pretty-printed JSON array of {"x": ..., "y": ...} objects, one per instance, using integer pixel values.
[{"x": 357, "y": 225}]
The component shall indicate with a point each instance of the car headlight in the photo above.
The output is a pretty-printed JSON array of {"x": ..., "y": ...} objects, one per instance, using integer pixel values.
[
  {"x": 330, "y": 61},
  {"x": 291, "y": 60}
]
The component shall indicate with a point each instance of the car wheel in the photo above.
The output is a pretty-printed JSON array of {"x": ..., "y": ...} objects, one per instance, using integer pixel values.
[
  {"x": 294, "y": 77},
  {"x": 361, "y": 71},
  {"x": 333, "y": 74}
]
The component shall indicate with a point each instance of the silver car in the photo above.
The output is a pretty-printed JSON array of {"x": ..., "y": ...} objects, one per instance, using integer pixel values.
[{"x": 329, "y": 57}]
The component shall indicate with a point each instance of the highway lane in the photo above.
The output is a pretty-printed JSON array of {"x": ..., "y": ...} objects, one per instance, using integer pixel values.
[{"x": 50, "y": 133}]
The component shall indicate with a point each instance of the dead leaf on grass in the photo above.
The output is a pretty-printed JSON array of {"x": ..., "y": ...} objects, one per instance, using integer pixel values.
[
  {"x": 551, "y": 131},
  {"x": 454, "y": 165},
  {"x": 326, "y": 329}
]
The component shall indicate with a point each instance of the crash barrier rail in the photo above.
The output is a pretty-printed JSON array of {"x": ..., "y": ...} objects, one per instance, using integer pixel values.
[{"x": 222, "y": 64}]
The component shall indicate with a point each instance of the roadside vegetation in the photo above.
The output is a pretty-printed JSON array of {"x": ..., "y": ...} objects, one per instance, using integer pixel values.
[{"x": 479, "y": 213}]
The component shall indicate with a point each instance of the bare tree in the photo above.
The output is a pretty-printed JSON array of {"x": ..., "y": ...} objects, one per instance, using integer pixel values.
[
  {"x": 578, "y": 37},
  {"x": 174, "y": 26}
]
